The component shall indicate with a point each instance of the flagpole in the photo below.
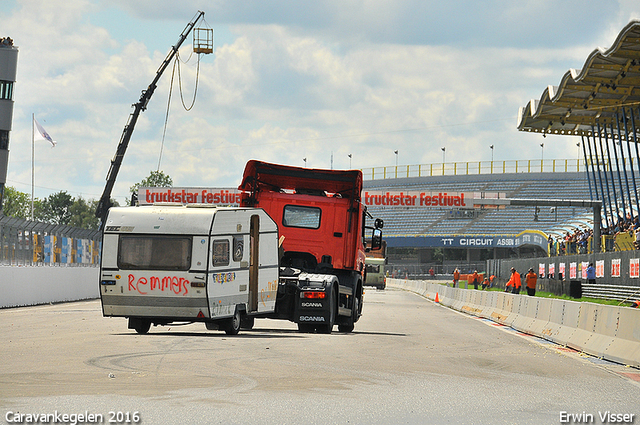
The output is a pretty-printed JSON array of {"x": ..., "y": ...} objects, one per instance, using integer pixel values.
[{"x": 33, "y": 119}]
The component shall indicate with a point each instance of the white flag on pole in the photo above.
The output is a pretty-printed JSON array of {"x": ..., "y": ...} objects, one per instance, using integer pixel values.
[{"x": 43, "y": 133}]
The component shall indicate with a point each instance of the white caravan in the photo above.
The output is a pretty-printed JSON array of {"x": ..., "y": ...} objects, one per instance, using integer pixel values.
[{"x": 169, "y": 263}]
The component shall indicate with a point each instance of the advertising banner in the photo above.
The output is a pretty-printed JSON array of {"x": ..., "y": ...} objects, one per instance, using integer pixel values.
[
  {"x": 600, "y": 268},
  {"x": 372, "y": 198},
  {"x": 634, "y": 268},
  {"x": 615, "y": 267}
]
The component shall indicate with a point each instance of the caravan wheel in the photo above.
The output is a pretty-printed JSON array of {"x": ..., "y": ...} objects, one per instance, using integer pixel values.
[{"x": 232, "y": 327}]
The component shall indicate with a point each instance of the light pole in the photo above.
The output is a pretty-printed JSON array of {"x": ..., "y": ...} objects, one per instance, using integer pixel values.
[
  {"x": 491, "y": 147},
  {"x": 305, "y": 161},
  {"x": 578, "y": 156},
  {"x": 443, "y": 153},
  {"x": 396, "y": 152},
  {"x": 349, "y": 160},
  {"x": 542, "y": 152}
]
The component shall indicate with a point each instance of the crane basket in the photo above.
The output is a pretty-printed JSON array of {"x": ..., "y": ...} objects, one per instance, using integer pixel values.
[{"x": 203, "y": 40}]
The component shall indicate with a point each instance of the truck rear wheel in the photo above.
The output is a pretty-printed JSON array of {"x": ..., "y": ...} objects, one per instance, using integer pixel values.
[
  {"x": 354, "y": 315},
  {"x": 328, "y": 328},
  {"x": 247, "y": 322}
]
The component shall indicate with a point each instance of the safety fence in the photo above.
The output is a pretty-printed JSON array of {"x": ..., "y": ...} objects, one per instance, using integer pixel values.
[
  {"x": 611, "y": 268},
  {"x": 34, "y": 243},
  {"x": 474, "y": 168},
  {"x": 604, "y": 331}
]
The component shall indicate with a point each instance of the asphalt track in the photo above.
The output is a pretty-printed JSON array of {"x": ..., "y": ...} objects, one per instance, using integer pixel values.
[{"x": 409, "y": 361}]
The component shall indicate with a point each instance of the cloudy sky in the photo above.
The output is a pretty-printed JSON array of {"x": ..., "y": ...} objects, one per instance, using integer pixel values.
[{"x": 288, "y": 80}]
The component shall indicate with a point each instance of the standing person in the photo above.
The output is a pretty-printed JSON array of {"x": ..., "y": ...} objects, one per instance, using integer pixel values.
[
  {"x": 531, "y": 280},
  {"x": 514, "y": 283},
  {"x": 475, "y": 279},
  {"x": 591, "y": 274},
  {"x": 509, "y": 286},
  {"x": 432, "y": 272},
  {"x": 456, "y": 277}
]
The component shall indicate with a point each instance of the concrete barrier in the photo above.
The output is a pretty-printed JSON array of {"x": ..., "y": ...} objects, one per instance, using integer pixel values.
[
  {"x": 586, "y": 324},
  {"x": 569, "y": 322},
  {"x": 543, "y": 315},
  {"x": 625, "y": 347},
  {"x": 23, "y": 286},
  {"x": 609, "y": 332},
  {"x": 604, "y": 331}
]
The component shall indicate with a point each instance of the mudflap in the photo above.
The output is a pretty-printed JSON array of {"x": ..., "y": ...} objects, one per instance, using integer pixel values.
[{"x": 314, "y": 311}]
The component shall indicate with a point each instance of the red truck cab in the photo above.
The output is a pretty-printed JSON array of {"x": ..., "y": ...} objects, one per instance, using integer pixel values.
[{"x": 321, "y": 224}]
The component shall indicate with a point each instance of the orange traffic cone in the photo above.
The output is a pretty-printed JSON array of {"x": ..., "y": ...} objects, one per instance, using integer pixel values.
[{"x": 437, "y": 300}]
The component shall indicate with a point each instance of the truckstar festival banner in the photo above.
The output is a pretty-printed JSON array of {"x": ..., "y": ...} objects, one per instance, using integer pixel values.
[
  {"x": 414, "y": 198},
  {"x": 231, "y": 197},
  {"x": 189, "y": 195}
]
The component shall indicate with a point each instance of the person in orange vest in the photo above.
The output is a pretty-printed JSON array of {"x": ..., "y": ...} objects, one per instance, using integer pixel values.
[
  {"x": 514, "y": 284},
  {"x": 635, "y": 304},
  {"x": 517, "y": 283},
  {"x": 485, "y": 283},
  {"x": 456, "y": 277},
  {"x": 531, "y": 279},
  {"x": 475, "y": 279}
]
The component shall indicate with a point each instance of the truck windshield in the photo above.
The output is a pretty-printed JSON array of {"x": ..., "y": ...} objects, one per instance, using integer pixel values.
[
  {"x": 305, "y": 217},
  {"x": 154, "y": 252}
]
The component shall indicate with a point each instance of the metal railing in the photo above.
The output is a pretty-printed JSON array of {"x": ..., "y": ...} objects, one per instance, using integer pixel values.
[
  {"x": 475, "y": 168},
  {"x": 26, "y": 242}
]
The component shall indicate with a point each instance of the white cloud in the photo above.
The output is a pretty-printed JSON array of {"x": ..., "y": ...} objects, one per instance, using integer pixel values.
[{"x": 364, "y": 78}]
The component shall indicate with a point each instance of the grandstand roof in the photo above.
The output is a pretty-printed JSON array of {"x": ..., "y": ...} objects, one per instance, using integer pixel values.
[{"x": 608, "y": 81}]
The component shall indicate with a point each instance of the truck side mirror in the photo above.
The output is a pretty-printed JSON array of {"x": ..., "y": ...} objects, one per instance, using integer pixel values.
[{"x": 376, "y": 239}]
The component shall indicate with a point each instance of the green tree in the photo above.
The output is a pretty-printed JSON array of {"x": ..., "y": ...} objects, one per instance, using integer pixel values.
[
  {"x": 57, "y": 208},
  {"x": 155, "y": 179},
  {"x": 16, "y": 204},
  {"x": 83, "y": 214}
]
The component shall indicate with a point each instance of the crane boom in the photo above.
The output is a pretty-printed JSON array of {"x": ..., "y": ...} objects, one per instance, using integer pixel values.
[{"x": 105, "y": 200}]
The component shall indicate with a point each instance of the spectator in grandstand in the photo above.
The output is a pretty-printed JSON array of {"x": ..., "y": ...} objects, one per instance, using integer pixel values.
[
  {"x": 456, "y": 277},
  {"x": 562, "y": 246},
  {"x": 591, "y": 274},
  {"x": 475, "y": 279},
  {"x": 531, "y": 278}
]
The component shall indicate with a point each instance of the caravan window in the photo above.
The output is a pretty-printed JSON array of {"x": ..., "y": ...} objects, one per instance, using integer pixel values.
[
  {"x": 154, "y": 252},
  {"x": 220, "y": 252}
]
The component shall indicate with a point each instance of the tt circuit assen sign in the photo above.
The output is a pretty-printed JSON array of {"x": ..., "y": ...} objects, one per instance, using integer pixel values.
[{"x": 528, "y": 237}]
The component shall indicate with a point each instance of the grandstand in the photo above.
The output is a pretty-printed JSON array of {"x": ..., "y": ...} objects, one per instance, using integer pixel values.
[{"x": 441, "y": 236}]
